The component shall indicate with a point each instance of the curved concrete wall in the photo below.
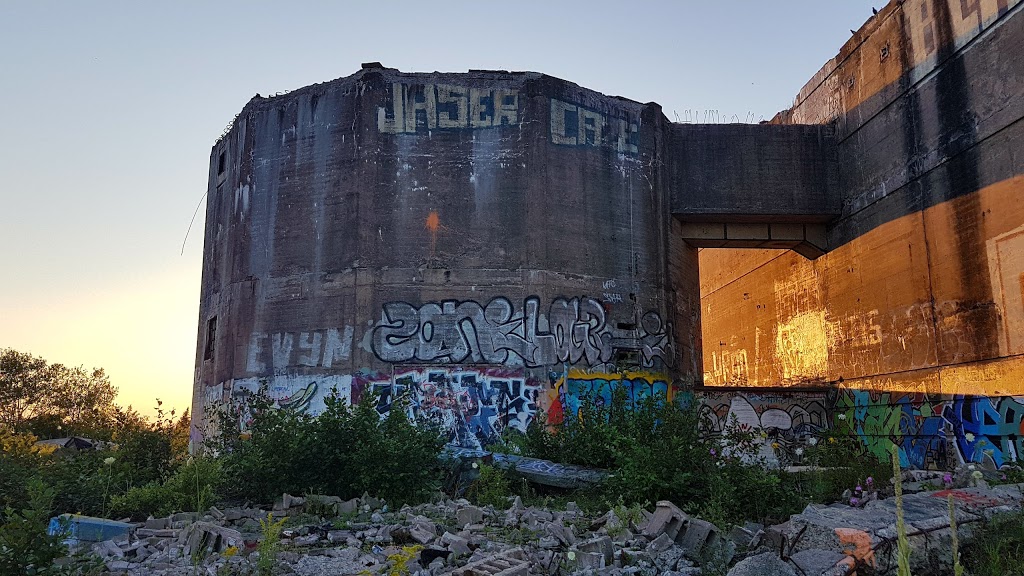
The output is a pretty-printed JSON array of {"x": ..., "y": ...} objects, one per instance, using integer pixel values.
[{"x": 466, "y": 240}]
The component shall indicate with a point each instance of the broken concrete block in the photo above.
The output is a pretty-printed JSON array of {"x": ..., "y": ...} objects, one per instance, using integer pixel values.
[
  {"x": 699, "y": 534},
  {"x": 510, "y": 563},
  {"x": 561, "y": 533},
  {"x": 371, "y": 502},
  {"x": 468, "y": 515},
  {"x": 587, "y": 560},
  {"x": 207, "y": 536},
  {"x": 660, "y": 544},
  {"x": 601, "y": 545},
  {"x": 107, "y": 549},
  {"x": 421, "y": 535},
  {"x": 816, "y": 561},
  {"x": 307, "y": 540},
  {"x": 766, "y": 564},
  {"x": 454, "y": 543},
  {"x": 741, "y": 536},
  {"x": 184, "y": 517},
  {"x": 288, "y": 501},
  {"x": 158, "y": 523},
  {"x": 667, "y": 519},
  {"x": 118, "y": 566},
  {"x": 348, "y": 506},
  {"x": 147, "y": 533}
]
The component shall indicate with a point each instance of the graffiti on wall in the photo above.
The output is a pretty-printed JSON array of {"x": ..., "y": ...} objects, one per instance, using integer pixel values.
[
  {"x": 471, "y": 406},
  {"x": 315, "y": 349},
  {"x": 421, "y": 107},
  {"x": 928, "y": 430},
  {"x": 912, "y": 422},
  {"x": 300, "y": 392},
  {"x": 785, "y": 420},
  {"x": 571, "y": 390},
  {"x": 574, "y": 331},
  {"x": 987, "y": 430},
  {"x": 575, "y": 125},
  {"x": 728, "y": 367}
]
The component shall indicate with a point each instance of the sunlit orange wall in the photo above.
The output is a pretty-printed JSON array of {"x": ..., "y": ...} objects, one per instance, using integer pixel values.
[{"x": 918, "y": 292}]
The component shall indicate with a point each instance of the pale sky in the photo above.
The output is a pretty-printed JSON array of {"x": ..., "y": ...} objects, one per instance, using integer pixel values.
[{"x": 110, "y": 110}]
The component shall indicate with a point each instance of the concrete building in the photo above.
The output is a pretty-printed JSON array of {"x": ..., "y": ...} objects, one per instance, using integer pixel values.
[{"x": 496, "y": 245}]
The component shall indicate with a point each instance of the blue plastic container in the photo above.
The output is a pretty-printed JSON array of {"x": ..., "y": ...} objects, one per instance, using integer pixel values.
[{"x": 87, "y": 528}]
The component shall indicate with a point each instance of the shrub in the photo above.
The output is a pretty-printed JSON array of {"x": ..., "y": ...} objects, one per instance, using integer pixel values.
[
  {"x": 344, "y": 452},
  {"x": 655, "y": 450},
  {"x": 25, "y": 546},
  {"x": 839, "y": 463},
  {"x": 492, "y": 487},
  {"x": 18, "y": 463},
  {"x": 190, "y": 489},
  {"x": 83, "y": 483}
]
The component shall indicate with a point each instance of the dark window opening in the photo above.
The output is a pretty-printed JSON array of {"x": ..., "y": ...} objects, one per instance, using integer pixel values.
[
  {"x": 626, "y": 359},
  {"x": 211, "y": 338},
  {"x": 222, "y": 162}
]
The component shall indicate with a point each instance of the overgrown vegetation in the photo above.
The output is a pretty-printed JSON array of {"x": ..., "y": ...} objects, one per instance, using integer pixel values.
[
  {"x": 653, "y": 448},
  {"x": 838, "y": 463},
  {"x": 656, "y": 451},
  {"x": 345, "y": 451}
]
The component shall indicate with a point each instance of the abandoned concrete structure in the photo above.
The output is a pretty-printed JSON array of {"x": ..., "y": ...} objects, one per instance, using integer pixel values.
[{"x": 496, "y": 244}]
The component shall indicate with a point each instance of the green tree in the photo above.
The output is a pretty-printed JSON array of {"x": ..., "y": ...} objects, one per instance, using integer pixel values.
[
  {"x": 53, "y": 399},
  {"x": 22, "y": 387}
]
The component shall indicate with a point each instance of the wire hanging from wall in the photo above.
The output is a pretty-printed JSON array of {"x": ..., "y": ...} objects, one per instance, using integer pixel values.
[{"x": 192, "y": 221}]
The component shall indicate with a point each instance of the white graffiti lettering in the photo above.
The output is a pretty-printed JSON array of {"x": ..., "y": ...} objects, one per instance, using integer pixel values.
[
  {"x": 316, "y": 349},
  {"x": 415, "y": 107}
]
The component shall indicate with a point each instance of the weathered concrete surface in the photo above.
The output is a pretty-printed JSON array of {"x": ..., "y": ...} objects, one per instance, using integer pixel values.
[
  {"x": 753, "y": 173},
  {"x": 920, "y": 291},
  {"x": 928, "y": 430},
  {"x": 868, "y": 534},
  {"x": 492, "y": 245},
  {"x": 453, "y": 238}
]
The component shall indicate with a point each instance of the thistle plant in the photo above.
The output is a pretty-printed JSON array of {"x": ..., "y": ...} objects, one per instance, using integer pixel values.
[
  {"x": 108, "y": 462},
  {"x": 958, "y": 570},
  {"x": 902, "y": 544}
]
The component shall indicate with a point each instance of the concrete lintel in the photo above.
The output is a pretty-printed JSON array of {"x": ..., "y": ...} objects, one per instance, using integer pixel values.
[
  {"x": 736, "y": 231},
  {"x": 702, "y": 231},
  {"x": 806, "y": 239}
]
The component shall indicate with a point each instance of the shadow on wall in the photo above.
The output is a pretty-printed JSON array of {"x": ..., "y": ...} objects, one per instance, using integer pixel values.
[{"x": 927, "y": 429}]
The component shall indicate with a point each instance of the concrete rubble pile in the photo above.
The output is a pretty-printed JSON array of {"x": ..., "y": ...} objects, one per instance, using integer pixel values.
[{"x": 458, "y": 538}]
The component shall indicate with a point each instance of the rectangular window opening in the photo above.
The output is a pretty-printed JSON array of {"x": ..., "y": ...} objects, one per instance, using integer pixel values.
[
  {"x": 211, "y": 338},
  {"x": 222, "y": 162}
]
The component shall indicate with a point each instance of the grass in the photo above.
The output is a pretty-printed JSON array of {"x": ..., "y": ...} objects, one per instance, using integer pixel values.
[{"x": 997, "y": 547}]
